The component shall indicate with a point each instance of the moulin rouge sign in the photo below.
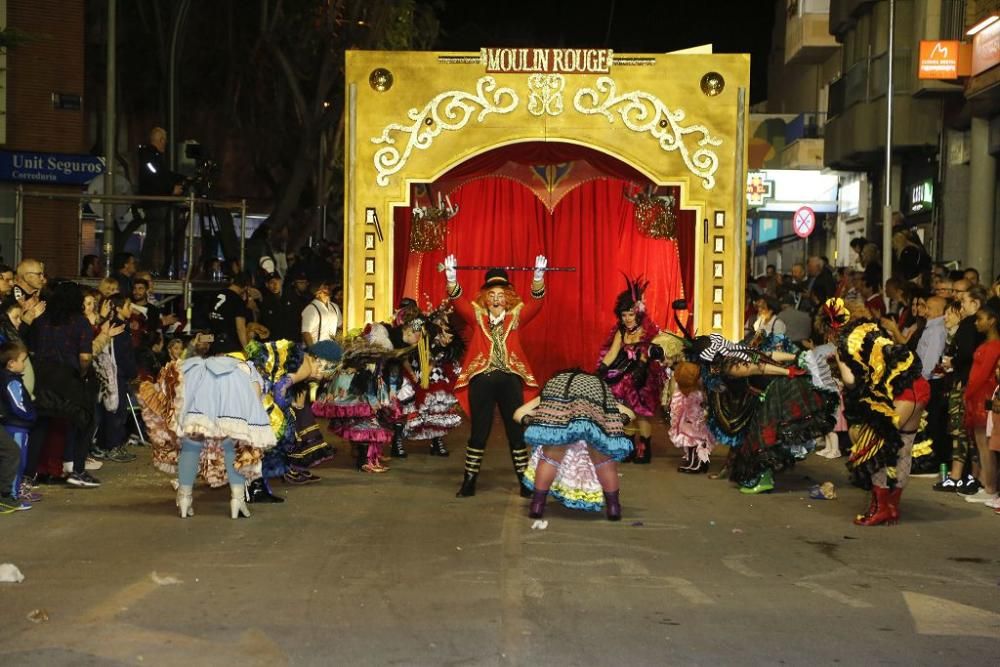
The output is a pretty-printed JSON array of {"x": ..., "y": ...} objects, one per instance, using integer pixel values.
[{"x": 547, "y": 61}]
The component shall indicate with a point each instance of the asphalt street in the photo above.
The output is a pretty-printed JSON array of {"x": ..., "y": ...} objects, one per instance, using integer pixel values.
[{"x": 392, "y": 569}]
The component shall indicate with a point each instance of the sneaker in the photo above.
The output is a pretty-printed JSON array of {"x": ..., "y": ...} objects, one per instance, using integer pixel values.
[
  {"x": 294, "y": 477},
  {"x": 947, "y": 485},
  {"x": 120, "y": 455},
  {"x": 25, "y": 492},
  {"x": 136, "y": 441},
  {"x": 97, "y": 454},
  {"x": 82, "y": 480},
  {"x": 980, "y": 496},
  {"x": 967, "y": 486},
  {"x": 9, "y": 505},
  {"x": 993, "y": 504},
  {"x": 93, "y": 464}
]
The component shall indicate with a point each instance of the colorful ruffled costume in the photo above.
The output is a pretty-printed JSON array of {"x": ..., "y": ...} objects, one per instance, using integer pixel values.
[
  {"x": 276, "y": 361},
  {"x": 688, "y": 429},
  {"x": 756, "y": 414},
  {"x": 635, "y": 380},
  {"x": 434, "y": 410},
  {"x": 362, "y": 401},
  {"x": 884, "y": 372},
  {"x": 209, "y": 400},
  {"x": 577, "y": 411}
]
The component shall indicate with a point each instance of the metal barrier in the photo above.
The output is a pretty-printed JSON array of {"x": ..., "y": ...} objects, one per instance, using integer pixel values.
[{"x": 190, "y": 202}]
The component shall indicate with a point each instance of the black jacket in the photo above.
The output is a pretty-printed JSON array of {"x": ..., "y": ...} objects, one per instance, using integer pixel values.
[
  {"x": 281, "y": 316},
  {"x": 154, "y": 177}
]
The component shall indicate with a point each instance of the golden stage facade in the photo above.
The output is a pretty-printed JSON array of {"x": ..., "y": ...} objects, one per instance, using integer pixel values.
[{"x": 680, "y": 119}]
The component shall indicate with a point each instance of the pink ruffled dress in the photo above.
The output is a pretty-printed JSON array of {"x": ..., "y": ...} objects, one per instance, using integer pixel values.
[{"x": 688, "y": 428}]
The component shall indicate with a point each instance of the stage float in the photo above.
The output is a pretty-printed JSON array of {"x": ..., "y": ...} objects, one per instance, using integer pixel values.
[{"x": 607, "y": 163}]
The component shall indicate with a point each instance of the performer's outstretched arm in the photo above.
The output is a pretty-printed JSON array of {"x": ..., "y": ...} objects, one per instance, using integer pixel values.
[
  {"x": 534, "y": 305},
  {"x": 462, "y": 306}
]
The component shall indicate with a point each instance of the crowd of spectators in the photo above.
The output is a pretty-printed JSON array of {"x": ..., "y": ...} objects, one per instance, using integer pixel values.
[
  {"x": 71, "y": 356},
  {"x": 947, "y": 316}
]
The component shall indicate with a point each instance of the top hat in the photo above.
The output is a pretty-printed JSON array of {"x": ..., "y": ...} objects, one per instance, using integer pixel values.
[{"x": 496, "y": 278}]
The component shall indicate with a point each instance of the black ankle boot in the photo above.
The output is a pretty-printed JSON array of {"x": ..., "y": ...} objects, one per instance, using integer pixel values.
[
  {"x": 468, "y": 485},
  {"x": 438, "y": 448},
  {"x": 396, "y": 450},
  {"x": 537, "y": 507},
  {"x": 613, "y": 506},
  {"x": 360, "y": 456},
  {"x": 644, "y": 452},
  {"x": 259, "y": 492},
  {"x": 686, "y": 460}
]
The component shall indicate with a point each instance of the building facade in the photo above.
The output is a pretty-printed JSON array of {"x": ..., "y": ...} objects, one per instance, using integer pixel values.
[
  {"x": 41, "y": 113},
  {"x": 943, "y": 176}
]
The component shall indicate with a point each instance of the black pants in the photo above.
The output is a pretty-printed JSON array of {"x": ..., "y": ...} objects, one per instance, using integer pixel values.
[
  {"x": 157, "y": 253},
  {"x": 505, "y": 391},
  {"x": 937, "y": 421}
]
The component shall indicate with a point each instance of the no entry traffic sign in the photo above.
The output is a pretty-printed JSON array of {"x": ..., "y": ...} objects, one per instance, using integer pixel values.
[{"x": 804, "y": 222}]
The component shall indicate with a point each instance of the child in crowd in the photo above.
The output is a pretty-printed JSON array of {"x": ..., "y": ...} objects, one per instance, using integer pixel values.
[
  {"x": 688, "y": 429},
  {"x": 978, "y": 393},
  {"x": 18, "y": 416}
]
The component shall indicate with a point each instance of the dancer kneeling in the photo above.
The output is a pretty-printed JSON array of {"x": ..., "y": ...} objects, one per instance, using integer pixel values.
[{"x": 577, "y": 431}]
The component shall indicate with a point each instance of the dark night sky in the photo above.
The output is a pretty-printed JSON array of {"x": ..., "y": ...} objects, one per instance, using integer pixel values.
[{"x": 654, "y": 26}]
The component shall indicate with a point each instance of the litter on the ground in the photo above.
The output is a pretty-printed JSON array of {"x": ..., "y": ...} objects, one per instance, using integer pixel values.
[
  {"x": 164, "y": 580},
  {"x": 10, "y": 574},
  {"x": 38, "y": 616}
]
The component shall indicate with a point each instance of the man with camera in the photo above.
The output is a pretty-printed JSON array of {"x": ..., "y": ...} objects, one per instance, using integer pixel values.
[{"x": 156, "y": 180}]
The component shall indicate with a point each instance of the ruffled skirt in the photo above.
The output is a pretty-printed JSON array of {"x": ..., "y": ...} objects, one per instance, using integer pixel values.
[
  {"x": 575, "y": 485},
  {"x": 577, "y": 430},
  {"x": 433, "y": 416}
]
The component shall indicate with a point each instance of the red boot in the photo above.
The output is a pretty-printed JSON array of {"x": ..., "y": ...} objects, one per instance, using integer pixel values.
[
  {"x": 894, "y": 496},
  {"x": 880, "y": 511}
]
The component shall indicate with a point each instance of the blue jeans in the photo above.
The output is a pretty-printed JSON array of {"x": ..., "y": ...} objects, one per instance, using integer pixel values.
[
  {"x": 20, "y": 438},
  {"x": 112, "y": 424},
  {"x": 190, "y": 458}
]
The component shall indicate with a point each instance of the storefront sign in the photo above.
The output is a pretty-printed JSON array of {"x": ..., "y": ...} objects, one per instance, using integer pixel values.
[
  {"x": 55, "y": 168},
  {"x": 922, "y": 196},
  {"x": 938, "y": 59},
  {"x": 986, "y": 48},
  {"x": 758, "y": 189},
  {"x": 549, "y": 61}
]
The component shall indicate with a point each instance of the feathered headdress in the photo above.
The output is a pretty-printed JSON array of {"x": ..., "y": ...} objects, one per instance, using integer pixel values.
[
  {"x": 631, "y": 298},
  {"x": 834, "y": 313}
]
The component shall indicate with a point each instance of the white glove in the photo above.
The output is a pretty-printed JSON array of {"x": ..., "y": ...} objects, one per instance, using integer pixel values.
[
  {"x": 540, "y": 264},
  {"x": 450, "y": 272}
]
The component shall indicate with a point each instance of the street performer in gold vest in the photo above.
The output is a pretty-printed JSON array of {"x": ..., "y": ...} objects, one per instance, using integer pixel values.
[{"x": 495, "y": 371}]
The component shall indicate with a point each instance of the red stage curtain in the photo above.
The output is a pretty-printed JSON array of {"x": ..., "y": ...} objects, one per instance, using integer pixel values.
[{"x": 501, "y": 222}]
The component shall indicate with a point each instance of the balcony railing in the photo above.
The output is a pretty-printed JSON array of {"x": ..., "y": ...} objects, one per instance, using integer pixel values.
[{"x": 866, "y": 81}]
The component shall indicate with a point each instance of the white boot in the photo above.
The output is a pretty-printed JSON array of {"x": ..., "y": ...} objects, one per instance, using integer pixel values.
[
  {"x": 238, "y": 501},
  {"x": 832, "y": 450},
  {"x": 185, "y": 501}
]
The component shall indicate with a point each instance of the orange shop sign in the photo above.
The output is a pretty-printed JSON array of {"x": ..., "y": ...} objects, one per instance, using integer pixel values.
[{"x": 938, "y": 59}]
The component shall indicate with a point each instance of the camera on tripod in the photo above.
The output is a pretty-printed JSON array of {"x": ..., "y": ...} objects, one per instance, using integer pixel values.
[{"x": 205, "y": 173}]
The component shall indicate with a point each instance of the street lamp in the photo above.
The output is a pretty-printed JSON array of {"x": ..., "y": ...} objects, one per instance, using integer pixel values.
[{"x": 887, "y": 199}]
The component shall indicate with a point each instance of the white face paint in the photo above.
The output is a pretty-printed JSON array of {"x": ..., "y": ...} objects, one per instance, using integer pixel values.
[{"x": 496, "y": 300}]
